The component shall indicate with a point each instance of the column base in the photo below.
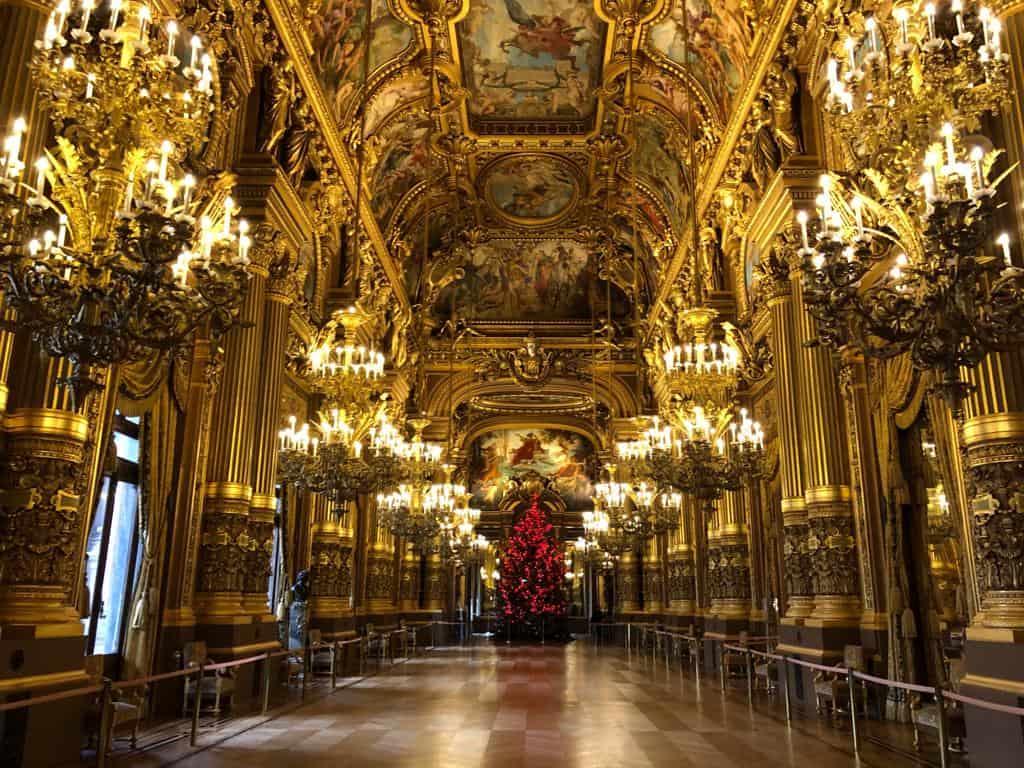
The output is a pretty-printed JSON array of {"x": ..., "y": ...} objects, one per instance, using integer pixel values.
[
  {"x": 731, "y": 609},
  {"x": 994, "y": 659},
  {"x": 798, "y": 608},
  {"x": 835, "y": 611}
]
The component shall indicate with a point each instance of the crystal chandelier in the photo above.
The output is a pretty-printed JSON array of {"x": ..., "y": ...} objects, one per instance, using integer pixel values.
[
  {"x": 901, "y": 257},
  {"x": 415, "y": 510},
  {"x": 113, "y": 250}
]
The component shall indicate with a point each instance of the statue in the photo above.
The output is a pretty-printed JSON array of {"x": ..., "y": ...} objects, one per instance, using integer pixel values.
[
  {"x": 298, "y": 611},
  {"x": 279, "y": 90}
]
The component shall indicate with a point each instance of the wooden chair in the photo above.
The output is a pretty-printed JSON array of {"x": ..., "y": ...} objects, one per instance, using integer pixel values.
[
  {"x": 214, "y": 687},
  {"x": 322, "y": 657},
  {"x": 925, "y": 714},
  {"x": 832, "y": 689},
  {"x": 734, "y": 663}
]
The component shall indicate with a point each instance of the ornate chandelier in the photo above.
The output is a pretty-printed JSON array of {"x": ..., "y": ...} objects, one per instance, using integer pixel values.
[
  {"x": 901, "y": 256},
  {"x": 416, "y": 508},
  {"x": 701, "y": 370},
  {"x": 342, "y": 370},
  {"x": 114, "y": 250},
  {"x": 333, "y": 460}
]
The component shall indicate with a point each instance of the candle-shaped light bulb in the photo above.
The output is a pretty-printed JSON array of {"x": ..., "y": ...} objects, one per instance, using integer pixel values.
[
  {"x": 87, "y": 7},
  {"x": 851, "y": 53},
  {"x": 857, "y": 205},
  {"x": 985, "y": 15},
  {"x": 172, "y": 35},
  {"x": 165, "y": 152},
  {"x": 115, "y": 13},
  {"x": 929, "y": 12},
  {"x": 872, "y": 28},
  {"x": 996, "y": 27},
  {"x": 958, "y": 9},
  {"x": 144, "y": 18},
  {"x": 947, "y": 134},
  {"x": 902, "y": 15},
  {"x": 1004, "y": 242},
  {"x": 977, "y": 155},
  {"x": 187, "y": 185},
  {"x": 42, "y": 166},
  {"x": 62, "y": 230},
  {"x": 63, "y": 10},
  {"x": 229, "y": 207},
  {"x": 196, "y": 44}
]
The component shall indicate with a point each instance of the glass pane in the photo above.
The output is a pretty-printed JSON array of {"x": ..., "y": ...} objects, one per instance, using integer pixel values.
[
  {"x": 127, "y": 447},
  {"x": 92, "y": 548},
  {"x": 117, "y": 581}
]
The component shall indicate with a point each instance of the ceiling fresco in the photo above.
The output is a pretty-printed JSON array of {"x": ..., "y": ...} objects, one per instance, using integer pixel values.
[
  {"x": 498, "y": 458},
  {"x": 336, "y": 35},
  {"x": 526, "y": 279},
  {"x": 531, "y": 139},
  {"x": 531, "y": 190},
  {"x": 718, "y": 53},
  {"x": 531, "y": 60}
]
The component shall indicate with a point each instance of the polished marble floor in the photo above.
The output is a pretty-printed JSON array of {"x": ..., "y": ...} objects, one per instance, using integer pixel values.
[{"x": 502, "y": 707}]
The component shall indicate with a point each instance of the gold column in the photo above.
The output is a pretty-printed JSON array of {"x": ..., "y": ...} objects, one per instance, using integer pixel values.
[
  {"x": 281, "y": 292},
  {"x": 409, "y": 586},
  {"x": 204, "y": 377},
  {"x": 434, "y": 591},
  {"x": 867, "y": 491},
  {"x": 21, "y": 24},
  {"x": 831, "y": 543},
  {"x": 330, "y": 569},
  {"x": 225, "y": 541},
  {"x": 799, "y": 600},
  {"x": 654, "y": 581},
  {"x": 380, "y": 567},
  {"x": 680, "y": 563},
  {"x": 731, "y": 597},
  {"x": 42, "y": 512},
  {"x": 628, "y": 583},
  {"x": 751, "y": 496}
]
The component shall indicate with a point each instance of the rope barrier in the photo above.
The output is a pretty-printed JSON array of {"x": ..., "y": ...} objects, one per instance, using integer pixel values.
[
  {"x": 1005, "y": 708},
  {"x": 893, "y": 684},
  {"x": 51, "y": 697}
]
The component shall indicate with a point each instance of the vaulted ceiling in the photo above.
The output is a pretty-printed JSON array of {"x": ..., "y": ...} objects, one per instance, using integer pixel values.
[{"x": 534, "y": 152}]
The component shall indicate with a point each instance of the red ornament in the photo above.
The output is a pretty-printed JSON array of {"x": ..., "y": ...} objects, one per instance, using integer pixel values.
[{"x": 532, "y": 570}]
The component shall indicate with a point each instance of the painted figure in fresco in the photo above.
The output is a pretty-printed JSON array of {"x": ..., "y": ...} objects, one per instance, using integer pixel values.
[
  {"x": 552, "y": 35},
  {"x": 528, "y": 448}
]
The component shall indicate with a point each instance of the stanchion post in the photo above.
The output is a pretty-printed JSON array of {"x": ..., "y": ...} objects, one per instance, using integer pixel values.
[
  {"x": 850, "y": 682},
  {"x": 334, "y": 664},
  {"x": 196, "y": 699},
  {"x": 750, "y": 677},
  {"x": 265, "y": 693},
  {"x": 721, "y": 668},
  {"x": 629, "y": 639},
  {"x": 785, "y": 691},
  {"x": 305, "y": 670},
  {"x": 943, "y": 728},
  {"x": 105, "y": 718}
]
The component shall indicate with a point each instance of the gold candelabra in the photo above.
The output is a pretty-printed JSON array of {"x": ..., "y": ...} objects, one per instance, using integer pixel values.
[
  {"x": 111, "y": 250},
  {"x": 899, "y": 257}
]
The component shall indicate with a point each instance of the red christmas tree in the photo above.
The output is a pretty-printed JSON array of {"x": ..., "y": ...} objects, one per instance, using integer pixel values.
[{"x": 532, "y": 570}]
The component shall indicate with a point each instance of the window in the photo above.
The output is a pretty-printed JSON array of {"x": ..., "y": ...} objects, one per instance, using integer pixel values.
[{"x": 112, "y": 549}]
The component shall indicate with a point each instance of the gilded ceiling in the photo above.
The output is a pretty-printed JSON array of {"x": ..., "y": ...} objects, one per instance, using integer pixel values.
[{"x": 548, "y": 120}]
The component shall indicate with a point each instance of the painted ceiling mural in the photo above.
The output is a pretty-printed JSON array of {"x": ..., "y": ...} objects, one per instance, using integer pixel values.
[
  {"x": 336, "y": 34},
  {"x": 531, "y": 59},
  {"x": 719, "y": 49},
  {"x": 526, "y": 280},
  {"x": 531, "y": 189},
  {"x": 660, "y": 165},
  {"x": 397, "y": 161},
  {"x": 498, "y": 458}
]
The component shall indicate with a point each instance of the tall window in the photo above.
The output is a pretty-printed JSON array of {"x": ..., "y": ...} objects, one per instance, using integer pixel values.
[{"x": 112, "y": 549}]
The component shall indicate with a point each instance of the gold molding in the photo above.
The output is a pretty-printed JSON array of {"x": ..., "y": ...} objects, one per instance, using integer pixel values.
[
  {"x": 994, "y": 427},
  {"x": 50, "y": 422}
]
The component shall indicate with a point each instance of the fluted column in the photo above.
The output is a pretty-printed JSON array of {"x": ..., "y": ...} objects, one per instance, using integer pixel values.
[
  {"x": 330, "y": 570},
  {"x": 281, "y": 292},
  {"x": 409, "y": 584},
  {"x": 380, "y": 568},
  {"x": 799, "y": 600},
  {"x": 434, "y": 589},
  {"x": 831, "y": 543},
  {"x": 680, "y": 563},
  {"x": 654, "y": 582},
  {"x": 21, "y": 24},
  {"x": 627, "y": 584},
  {"x": 225, "y": 541},
  {"x": 731, "y": 597},
  {"x": 868, "y": 506}
]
